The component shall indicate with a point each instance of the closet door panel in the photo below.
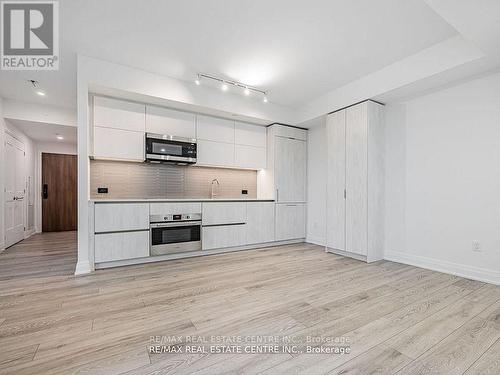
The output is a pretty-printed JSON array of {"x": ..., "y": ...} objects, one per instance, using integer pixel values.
[
  {"x": 336, "y": 207},
  {"x": 356, "y": 179}
]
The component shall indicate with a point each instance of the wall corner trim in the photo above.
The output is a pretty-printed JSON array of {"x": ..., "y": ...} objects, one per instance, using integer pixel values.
[
  {"x": 457, "y": 269},
  {"x": 83, "y": 268}
]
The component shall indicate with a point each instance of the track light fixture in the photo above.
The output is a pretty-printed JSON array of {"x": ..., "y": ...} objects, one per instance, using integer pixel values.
[{"x": 224, "y": 85}]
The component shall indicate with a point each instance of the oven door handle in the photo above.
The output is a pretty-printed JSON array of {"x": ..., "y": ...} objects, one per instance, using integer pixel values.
[{"x": 175, "y": 224}]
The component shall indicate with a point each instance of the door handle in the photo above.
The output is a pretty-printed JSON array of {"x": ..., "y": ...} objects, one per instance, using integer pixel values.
[{"x": 45, "y": 192}]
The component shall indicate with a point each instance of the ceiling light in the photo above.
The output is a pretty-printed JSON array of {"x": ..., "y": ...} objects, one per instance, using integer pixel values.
[
  {"x": 40, "y": 93},
  {"x": 265, "y": 99},
  {"x": 223, "y": 86},
  {"x": 246, "y": 91},
  {"x": 197, "y": 81},
  {"x": 60, "y": 137}
]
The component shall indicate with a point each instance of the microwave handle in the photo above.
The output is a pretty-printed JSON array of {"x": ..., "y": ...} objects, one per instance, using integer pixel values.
[{"x": 175, "y": 224}]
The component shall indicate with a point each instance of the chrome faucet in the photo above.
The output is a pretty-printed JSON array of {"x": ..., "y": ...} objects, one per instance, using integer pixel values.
[{"x": 213, "y": 194}]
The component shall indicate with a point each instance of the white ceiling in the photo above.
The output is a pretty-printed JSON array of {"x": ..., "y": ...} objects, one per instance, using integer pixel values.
[
  {"x": 295, "y": 49},
  {"x": 42, "y": 132}
]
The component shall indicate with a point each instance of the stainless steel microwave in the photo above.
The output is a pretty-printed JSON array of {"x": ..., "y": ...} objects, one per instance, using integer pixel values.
[{"x": 170, "y": 149}]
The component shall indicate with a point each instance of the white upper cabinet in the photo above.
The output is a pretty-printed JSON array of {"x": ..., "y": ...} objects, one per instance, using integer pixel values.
[
  {"x": 214, "y": 129},
  {"x": 249, "y": 157},
  {"x": 117, "y": 144},
  {"x": 217, "y": 154},
  {"x": 291, "y": 132},
  {"x": 167, "y": 121},
  {"x": 119, "y": 114},
  {"x": 249, "y": 135}
]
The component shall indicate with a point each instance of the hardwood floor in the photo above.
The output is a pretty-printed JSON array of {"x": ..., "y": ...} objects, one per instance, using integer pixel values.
[{"x": 396, "y": 318}]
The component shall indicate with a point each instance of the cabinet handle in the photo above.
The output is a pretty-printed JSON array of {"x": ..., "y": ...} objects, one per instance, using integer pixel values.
[
  {"x": 345, "y": 194},
  {"x": 277, "y": 195},
  {"x": 291, "y": 205}
]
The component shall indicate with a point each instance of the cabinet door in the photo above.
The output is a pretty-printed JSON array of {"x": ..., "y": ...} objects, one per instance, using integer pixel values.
[
  {"x": 249, "y": 157},
  {"x": 123, "y": 245},
  {"x": 357, "y": 179},
  {"x": 291, "y": 132},
  {"x": 114, "y": 217},
  {"x": 250, "y": 135},
  {"x": 160, "y": 208},
  {"x": 290, "y": 221},
  {"x": 218, "y": 237},
  {"x": 335, "y": 128},
  {"x": 260, "y": 222},
  {"x": 167, "y": 121},
  {"x": 214, "y": 129},
  {"x": 216, "y": 213},
  {"x": 118, "y": 144},
  {"x": 119, "y": 114},
  {"x": 215, "y": 153},
  {"x": 290, "y": 170}
]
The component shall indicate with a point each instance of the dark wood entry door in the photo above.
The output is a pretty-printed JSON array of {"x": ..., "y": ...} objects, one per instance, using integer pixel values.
[{"x": 59, "y": 192}]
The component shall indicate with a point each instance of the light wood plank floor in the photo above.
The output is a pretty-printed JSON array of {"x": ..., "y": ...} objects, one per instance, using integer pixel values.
[{"x": 397, "y": 318}]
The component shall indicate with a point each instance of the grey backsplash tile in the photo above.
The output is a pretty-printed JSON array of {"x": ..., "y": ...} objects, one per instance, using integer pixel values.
[{"x": 126, "y": 180}]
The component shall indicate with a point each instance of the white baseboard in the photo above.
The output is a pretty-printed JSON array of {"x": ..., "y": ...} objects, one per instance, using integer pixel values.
[
  {"x": 316, "y": 240},
  {"x": 457, "y": 269},
  {"x": 83, "y": 268}
]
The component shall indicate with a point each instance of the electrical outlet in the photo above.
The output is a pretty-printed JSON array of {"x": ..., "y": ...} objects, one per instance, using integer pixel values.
[{"x": 476, "y": 246}]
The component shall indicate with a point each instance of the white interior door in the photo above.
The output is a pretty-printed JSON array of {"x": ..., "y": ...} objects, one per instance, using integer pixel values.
[
  {"x": 357, "y": 179},
  {"x": 290, "y": 170},
  {"x": 14, "y": 190},
  {"x": 335, "y": 128}
]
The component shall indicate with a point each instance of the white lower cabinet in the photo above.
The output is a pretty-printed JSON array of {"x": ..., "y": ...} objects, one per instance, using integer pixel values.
[
  {"x": 290, "y": 221},
  {"x": 121, "y": 245},
  {"x": 219, "y": 213},
  {"x": 114, "y": 217},
  {"x": 260, "y": 222},
  {"x": 221, "y": 236}
]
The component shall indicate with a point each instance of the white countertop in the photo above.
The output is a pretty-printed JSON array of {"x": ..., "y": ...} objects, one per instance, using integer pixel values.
[{"x": 111, "y": 200}]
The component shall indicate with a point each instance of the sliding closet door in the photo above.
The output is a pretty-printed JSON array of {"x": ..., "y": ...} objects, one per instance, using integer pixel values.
[
  {"x": 335, "y": 128},
  {"x": 356, "y": 179}
]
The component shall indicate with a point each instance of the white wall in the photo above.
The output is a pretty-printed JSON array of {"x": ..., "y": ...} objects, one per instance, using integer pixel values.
[
  {"x": 443, "y": 180},
  {"x": 316, "y": 182}
]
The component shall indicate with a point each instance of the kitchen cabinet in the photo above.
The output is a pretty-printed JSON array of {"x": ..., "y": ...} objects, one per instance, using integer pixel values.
[
  {"x": 117, "y": 144},
  {"x": 290, "y": 170},
  {"x": 217, "y": 213},
  {"x": 290, "y": 221},
  {"x": 160, "y": 208},
  {"x": 216, "y": 154},
  {"x": 119, "y": 114},
  {"x": 222, "y": 236},
  {"x": 249, "y": 135},
  {"x": 250, "y": 157},
  {"x": 110, "y": 247},
  {"x": 161, "y": 120},
  {"x": 355, "y": 181},
  {"x": 214, "y": 129},
  {"x": 260, "y": 222},
  {"x": 118, "y": 129},
  {"x": 114, "y": 217}
]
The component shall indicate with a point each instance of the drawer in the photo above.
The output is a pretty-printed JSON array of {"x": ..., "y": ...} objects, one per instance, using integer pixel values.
[
  {"x": 216, "y": 213},
  {"x": 119, "y": 246},
  {"x": 222, "y": 236},
  {"x": 114, "y": 217},
  {"x": 174, "y": 208}
]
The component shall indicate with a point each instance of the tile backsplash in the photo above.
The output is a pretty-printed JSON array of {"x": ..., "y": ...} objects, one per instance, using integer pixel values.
[{"x": 126, "y": 180}]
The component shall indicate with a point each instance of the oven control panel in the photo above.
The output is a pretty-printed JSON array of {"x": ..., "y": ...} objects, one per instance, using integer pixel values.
[{"x": 174, "y": 217}]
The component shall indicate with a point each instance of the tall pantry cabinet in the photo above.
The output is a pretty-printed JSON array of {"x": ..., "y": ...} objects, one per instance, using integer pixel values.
[{"x": 355, "y": 181}]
